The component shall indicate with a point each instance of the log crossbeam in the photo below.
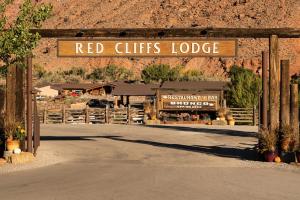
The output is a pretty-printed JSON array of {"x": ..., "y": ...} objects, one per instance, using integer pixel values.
[{"x": 171, "y": 33}]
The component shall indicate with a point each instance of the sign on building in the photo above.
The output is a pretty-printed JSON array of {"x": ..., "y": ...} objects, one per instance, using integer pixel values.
[{"x": 190, "y": 102}]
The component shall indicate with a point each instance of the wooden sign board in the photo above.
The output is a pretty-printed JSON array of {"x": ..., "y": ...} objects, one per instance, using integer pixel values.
[
  {"x": 190, "y": 102},
  {"x": 146, "y": 48}
]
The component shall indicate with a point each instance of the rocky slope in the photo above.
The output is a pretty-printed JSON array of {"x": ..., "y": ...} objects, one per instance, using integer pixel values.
[{"x": 174, "y": 13}]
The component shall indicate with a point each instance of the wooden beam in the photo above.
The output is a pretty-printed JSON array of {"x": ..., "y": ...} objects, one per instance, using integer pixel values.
[
  {"x": 274, "y": 83},
  {"x": 284, "y": 93},
  {"x": 265, "y": 104},
  {"x": 173, "y": 32},
  {"x": 294, "y": 108}
]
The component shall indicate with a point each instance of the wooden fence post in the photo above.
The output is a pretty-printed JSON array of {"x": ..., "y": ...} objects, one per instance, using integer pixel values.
[
  {"x": 264, "y": 109},
  {"x": 294, "y": 108},
  {"x": 254, "y": 115},
  {"x": 128, "y": 114},
  {"x": 45, "y": 116},
  {"x": 107, "y": 114},
  {"x": 274, "y": 83},
  {"x": 87, "y": 115},
  {"x": 284, "y": 93},
  {"x": 63, "y": 112}
]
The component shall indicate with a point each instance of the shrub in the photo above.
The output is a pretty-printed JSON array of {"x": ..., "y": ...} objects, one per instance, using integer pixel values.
[
  {"x": 111, "y": 73},
  {"x": 244, "y": 88},
  {"x": 267, "y": 140},
  {"x": 192, "y": 75},
  {"x": 161, "y": 73}
]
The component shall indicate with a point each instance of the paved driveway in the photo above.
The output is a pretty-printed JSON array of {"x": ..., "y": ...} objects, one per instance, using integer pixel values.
[{"x": 138, "y": 163}]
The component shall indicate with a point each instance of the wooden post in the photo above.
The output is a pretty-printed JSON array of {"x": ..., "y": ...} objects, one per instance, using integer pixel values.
[
  {"x": 107, "y": 114},
  {"x": 265, "y": 66},
  {"x": 87, "y": 115},
  {"x": 254, "y": 115},
  {"x": 128, "y": 114},
  {"x": 20, "y": 100},
  {"x": 11, "y": 95},
  {"x": 157, "y": 103},
  {"x": 45, "y": 116},
  {"x": 115, "y": 101},
  {"x": 29, "y": 104},
  {"x": 284, "y": 93},
  {"x": 294, "y": 108},
  {"x": 63, "y": 110},
  {"x": 274, "y": 83}
]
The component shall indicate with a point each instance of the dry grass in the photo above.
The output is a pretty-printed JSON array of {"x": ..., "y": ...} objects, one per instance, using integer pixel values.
[{"x": 267, "y": 140}]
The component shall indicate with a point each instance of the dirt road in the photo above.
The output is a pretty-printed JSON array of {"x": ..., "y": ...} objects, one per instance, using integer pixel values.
[{"x": 137, "y": 162}]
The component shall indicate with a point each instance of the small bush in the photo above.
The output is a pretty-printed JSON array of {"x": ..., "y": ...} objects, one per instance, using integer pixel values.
[{"x": 244, "y": 89}]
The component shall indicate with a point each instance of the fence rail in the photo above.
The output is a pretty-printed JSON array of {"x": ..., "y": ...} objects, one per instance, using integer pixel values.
[
  {"x": 91, "y": 116},
  {"x": 124, "y": 116},
  {"x": 245, "y": 115}
]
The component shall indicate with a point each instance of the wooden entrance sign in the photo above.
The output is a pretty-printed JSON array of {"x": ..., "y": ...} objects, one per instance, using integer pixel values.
[
  {"x": 209, "y": 102},
  {"x": 147, "y": 48}
]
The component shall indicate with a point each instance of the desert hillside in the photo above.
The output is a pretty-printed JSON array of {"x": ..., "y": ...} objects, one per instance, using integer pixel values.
[{"x": 168, "y": 14}]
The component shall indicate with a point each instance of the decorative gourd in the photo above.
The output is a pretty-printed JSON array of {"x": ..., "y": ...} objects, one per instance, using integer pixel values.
[{"x": 277, "y": 159}]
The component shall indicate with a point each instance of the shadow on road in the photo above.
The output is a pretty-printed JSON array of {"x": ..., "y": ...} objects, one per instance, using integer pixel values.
[
  {"x": 222, "y": 151},
  {"x": 70, "y": 138},
  {"x": 227, "y": 132}
]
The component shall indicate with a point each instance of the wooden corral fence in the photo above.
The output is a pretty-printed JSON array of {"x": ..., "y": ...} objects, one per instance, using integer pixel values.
[
  {"x": 92, "y": 116},
  {"x": 247, "y": 116}
]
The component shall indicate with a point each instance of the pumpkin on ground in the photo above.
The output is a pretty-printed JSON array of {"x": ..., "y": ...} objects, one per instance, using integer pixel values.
[{"x": 277, "y": 159}]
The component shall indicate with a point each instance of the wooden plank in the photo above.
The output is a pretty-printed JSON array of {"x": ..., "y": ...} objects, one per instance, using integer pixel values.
[
  {"x": 284, "y": 93},
  {"x": 173, "y": 32},
  {"x": 274, "y": 83}
]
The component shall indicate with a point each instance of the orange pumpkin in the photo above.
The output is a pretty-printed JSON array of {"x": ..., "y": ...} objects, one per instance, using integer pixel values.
[{"x": 277, "y": 159}]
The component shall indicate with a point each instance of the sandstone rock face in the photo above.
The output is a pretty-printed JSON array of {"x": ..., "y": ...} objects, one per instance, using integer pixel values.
[{"x": 174, "y": 13}]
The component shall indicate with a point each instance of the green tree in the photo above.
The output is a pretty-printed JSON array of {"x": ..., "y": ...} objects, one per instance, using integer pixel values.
[
  {"x": 16, "y": 39},
  {"x": 244, "y": 88},
  {"x": 161, "y": 73}
]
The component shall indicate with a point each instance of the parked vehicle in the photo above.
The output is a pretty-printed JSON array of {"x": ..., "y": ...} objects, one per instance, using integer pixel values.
[{"x": 96, "y": 103}]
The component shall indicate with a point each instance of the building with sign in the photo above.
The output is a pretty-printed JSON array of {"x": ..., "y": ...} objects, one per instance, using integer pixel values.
[{"x": 190, "y": 101}]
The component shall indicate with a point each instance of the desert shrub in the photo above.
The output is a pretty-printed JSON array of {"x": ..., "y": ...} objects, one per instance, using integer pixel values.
[
  {"x": 75, "y": 71},
  {"x": 39, "y": 71},
  {"x": 161, "y": 73},
  {"x": 96, "y": 74},
  {"x": 244, "y": 88},
  {"x": 111, "y": 73},
  {"x": 192, "y": 75}
]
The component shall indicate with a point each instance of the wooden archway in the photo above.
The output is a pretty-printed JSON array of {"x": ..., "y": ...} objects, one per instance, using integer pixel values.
[{"x": 271, "y": 33}]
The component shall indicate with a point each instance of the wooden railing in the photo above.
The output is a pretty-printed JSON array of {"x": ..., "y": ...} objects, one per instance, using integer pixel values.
[
  {"x": 247, "y": 116},
  {"x": 92, "y": 115}
]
